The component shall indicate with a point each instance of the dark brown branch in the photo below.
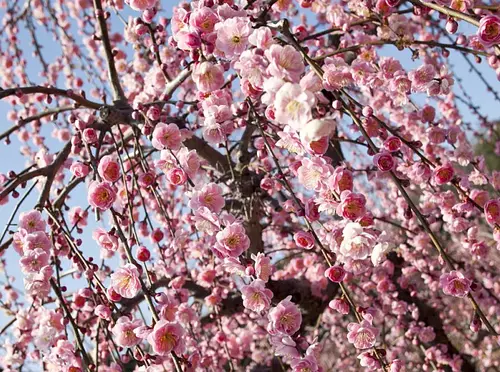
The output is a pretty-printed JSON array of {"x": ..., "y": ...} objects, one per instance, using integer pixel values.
[{"x": 82, "y": 101}]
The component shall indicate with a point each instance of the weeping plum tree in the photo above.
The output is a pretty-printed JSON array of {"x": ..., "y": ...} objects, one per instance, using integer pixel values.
[{"x": 248, "y": 186}]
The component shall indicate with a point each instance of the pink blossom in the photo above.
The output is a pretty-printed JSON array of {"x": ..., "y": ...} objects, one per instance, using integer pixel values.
[
  {"x": 421, "y": 77},
  {"x": 384, "y": 161},
  {"x": 232, "y": 36},
  {"x": 31, "y": 221},
  {"x": 306, "y": 364},
  {"x": 141, "y": 5},
  {"x": 109, "y": 169},
  {"x": 203, "y": 20},
  {"x": 341, "y": 180},
  {"x": 443, "y": 174},
  {"x": 285, "y": 318},
  {"x": 103, "y": 312},
  {"x": 285, "y": 62},
  {"x": 304, "y": 239},
  {"x": 167, "y": 337},
  {"x": 167, "y": 136},
  {"x": 294, "y": 106},
  {"x": 126, "y": 281},
  {"x": 335, "y": 273},
  {"x": 210, "y": 196},
  {"x": 232, "y": 241},
  {"x": 208, "y": 77},
  {"x": 263, "y": 266},
  {"x": 368, "y": 359},
  {"x": 34, "y": 260},
  {"x": 336, "y": 78},
  {"x": 37, "y": 239},
  {"x": 489, "y": 30},
  {"x": 492, "y": 211},
  {"x": 101, "y": 195},
  {"x": 317, "y": 129},
  {"x": 357, "y": 244},
  {"x": 352, "y": 205},
  {"x": 105, "y": 240},
  {"x": 311, "y": 173},
  {"x": 262, "y": 38},
  {"x": 79, "y": 169},
  {"x": 340, "y": 305},
  {"x": 187, "y": 40},
  {"x": 176, "y": 176},
  {"x": 123, "y": 332},
  {"x": 455, "y": 284},
  {"x": 363, "y": 335},
  {"x": 256, "y": 296}
]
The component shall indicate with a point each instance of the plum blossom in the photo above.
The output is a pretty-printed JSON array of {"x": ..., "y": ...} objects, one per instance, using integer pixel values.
[
  {"x": 166, "y": 136},
  {"x": 363, "y": 335},
  {"x": 489, "y": 30},
  {"x": 123, "y": 332},
  {"x": 284, "y": 62},
  {"x": 208, "y": 76},
  {"x": 285, "y": 318},
  {"x": 126, "y": 281},
  {"x": 232, "y": 241},
  {"x": 31, "y": 221},
  {"x": 256, "y": 296},
  {"x": 210, "y": 196},
  {"x": 101, "y": 195},
  {"x": 232, "y": 36},
  {"x": 167, "y": 337},
  {"x": 357, "y": 244},
  {"x": 455, "y": 284},
  {"x": 294, "y": 105}
]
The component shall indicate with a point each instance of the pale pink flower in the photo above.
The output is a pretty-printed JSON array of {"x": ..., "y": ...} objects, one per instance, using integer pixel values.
[
  {"x": 78, "y": 216},
  {"x": 232, "y": 36},
  {"x": 262, "y": 38},
  {"x": 210, "y": 196},
  {"x": 335, "y": 78},
  {"x": 422, "y": 77},
  {"x": 123, "y": 332},
  {"x": 79, "y": 169},
  {"x": 311, "y": 173},
  {"x": 206, "y": 221},
  {"x": 126, "y": 281},
  {"x": 37, "y": 239},
  {"x": 256, "y": 296},
  {"x": 166, "y": 136},
  {"x": 317, "y": 129},
  {"x": 31, "y": 221},
  {"x": 489, "y": 30},
  {"x": 232, "y": 241},
  {"x": 357, "y": 244},
  {"x": 34, "y": 260},
  {"x": 187, "y": 40},
  {"x": 368, "y": 360},
  {"x": 284, "y": 62},
  {"x": 352, "y": 205},
  {"x": 285, "y": 318},
  {"x": 141, "y": 5},
  {"x": 103, "y": 312},
  {"x": 455, "y": 284},
  {"x": 105, "y": 240},
  {"x": 101, "y": 195},
  {"x": 306, "y": 364},
  {"x": 167, "y": 337},
  {"x": 109, "y": 169},
  {"x": 208, "y": 76},
  {"x": 363, "y": 335},
  {"x": 294, "y": 106},
  {"x": 263, "y": 266}
]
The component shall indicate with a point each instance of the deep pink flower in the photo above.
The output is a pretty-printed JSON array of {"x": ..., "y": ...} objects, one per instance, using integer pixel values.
[
  {"x": 105, "y": 240},
  {"x": 489, "y": 30},
  {"x": 187, "y": 40},
  {"x": 232, "y": 241},
  {"x": 101, "y": 195},
  {"x": 392, "y": 144},
  {"x": 443, "y": 174},
  {"x": 492, "y": 211},
  {"x": 125, "y": 281},
  {"x": 304, "y": 239},
  {"x": 176, "y": 176},
  {"x": 31, "y": 221},
  {"x": 335, "y": 273},
  {"x": 256, "y": 296},
  {"x": 455, "y": 284},
  {"x": 352, "y": 205},
  {"x": 123, "y": 332},
  {"x": 109, "y": 169},
  {"x": 208, "y": 76},
  {"x": 363, "y": 335},
  {"x": 203, "y": 19},
  {"x": 167, "y": 337},
  {"x": 384, "y": 161},
  {"x": 285, "y": 318},
  {"x": 167, "y": 136}
]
